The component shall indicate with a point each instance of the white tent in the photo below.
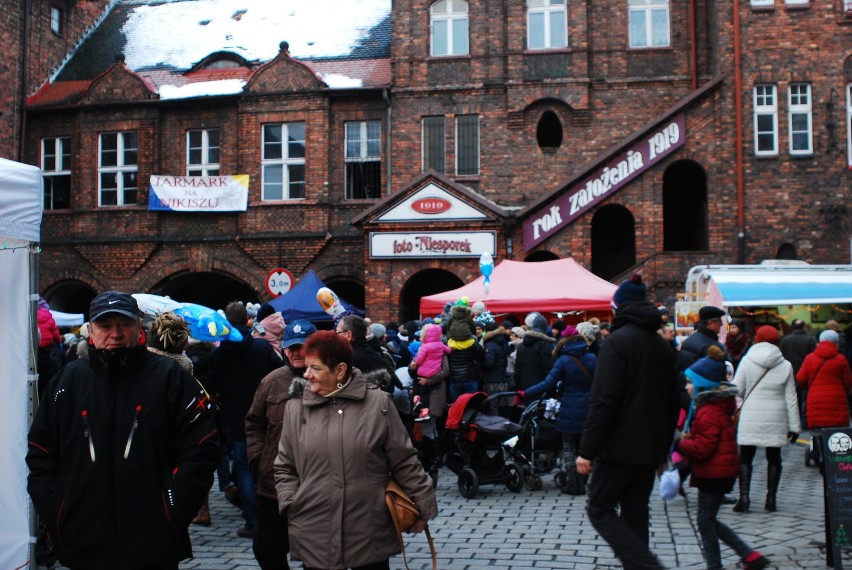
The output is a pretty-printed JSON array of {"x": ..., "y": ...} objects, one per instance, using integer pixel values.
[{"x": 20, "y": 220}]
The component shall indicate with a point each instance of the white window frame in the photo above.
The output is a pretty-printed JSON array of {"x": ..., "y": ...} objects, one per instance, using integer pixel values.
[
  {"x": 60, "y": 149},
  {"x": 285, "y": 161},
  {"x": 797, "y": 2},
  {"x": 647, "y": 9},
  {"x": 119, "y": 169},
  {"x": 762, "y": 3},
  {"x": 765, "y": 102},
  {"x": 207, "y": 166},
  {"x": 799, "y": 104},
  {"x": 363, "y": 149},
  {"x": 476, "y": 154},
  {"x": 456, "y": 13},
  {"x": 56, "y": 20},
  {"x": 553, "y": 13}
]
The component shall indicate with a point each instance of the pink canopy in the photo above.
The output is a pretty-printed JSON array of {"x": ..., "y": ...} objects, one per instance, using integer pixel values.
[{"x": 561, "y": 285}]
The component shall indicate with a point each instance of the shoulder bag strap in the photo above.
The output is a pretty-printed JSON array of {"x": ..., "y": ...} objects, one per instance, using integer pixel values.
[{"x": 580, "y": 365}]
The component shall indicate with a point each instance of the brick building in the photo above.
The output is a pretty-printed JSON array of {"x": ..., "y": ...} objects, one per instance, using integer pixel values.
[{"x": 639, "y": 135}]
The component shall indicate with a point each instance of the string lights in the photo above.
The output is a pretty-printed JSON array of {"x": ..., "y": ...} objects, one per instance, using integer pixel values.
[{"x": 33, "y": 248}]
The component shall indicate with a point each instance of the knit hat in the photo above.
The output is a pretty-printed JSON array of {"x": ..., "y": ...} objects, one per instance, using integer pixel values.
[
  {"x": 629, "y": 290},
  {"x": 830, "y": 336},
  {"x": 478, "y": 308},
  {"x": 766, "y": 333},
  {"x": 569, "y": 331},
  {"x": 519, "y": 332},
  {"x": 739, "y": 323},
  {"x": 378, "y": 330},
  {"x": 588, "y": 331},
  {"x": 709, "y": 371},
  {"x": 710, "y": 312},
  {"x": 536, "y": 322}
]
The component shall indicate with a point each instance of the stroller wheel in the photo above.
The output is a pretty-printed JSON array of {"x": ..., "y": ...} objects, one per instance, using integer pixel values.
[
  {"x": 468, "y": 483},
  {"x": 534, "y": 483},
  {"x": 808, "y": 457},
  {"x": 559, "y": 479},
  {"x": 514, "y": 477}
]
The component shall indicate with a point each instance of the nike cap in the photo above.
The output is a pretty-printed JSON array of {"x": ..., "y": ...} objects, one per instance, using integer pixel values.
[{"x": 114, "y": 302}]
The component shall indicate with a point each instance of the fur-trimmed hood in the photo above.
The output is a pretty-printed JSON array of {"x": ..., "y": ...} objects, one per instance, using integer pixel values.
[{"x": 532, "y": 335}]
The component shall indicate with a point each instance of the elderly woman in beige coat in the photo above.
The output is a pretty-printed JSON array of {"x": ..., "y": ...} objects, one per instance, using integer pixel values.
[{"x": 340, "y": 444}]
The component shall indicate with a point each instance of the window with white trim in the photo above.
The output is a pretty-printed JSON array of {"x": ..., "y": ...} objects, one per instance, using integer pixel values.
[
  {"x": 283, "y": 161},
  {"x": 847, "y": 8},
  {"x": 449, "y": 28},
  {"x": 363, "y": 159},
  {"x": 202, "y": 152},
  {"x": 800, "y": 119},
  {"x": 117, "y": 169},
  {"x": 467, "y": 145},
  {"x": 765, "y": 120},
  {"x": 762, "y": 3},
  {"x": 56, "y": 172},
  {"x": 797, "y": 2},
  {"x": 547, "y": 24},
  {"x": 649, "y": 23},
  {"x": 56, "y": 20},
  {"x": 432, "y": 143}
]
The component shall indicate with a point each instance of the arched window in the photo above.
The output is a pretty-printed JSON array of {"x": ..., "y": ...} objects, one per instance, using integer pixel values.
[
  {"x": 449, "y": 25},
  {"x": 786, "y": 251},
  {"x": 548, "y": 132},
  {"x": 613, "y": 241},
  {"x": 541, "y": 255},
  {"x": 685, "y": 207},
  {"x": 547, "y": 24}
]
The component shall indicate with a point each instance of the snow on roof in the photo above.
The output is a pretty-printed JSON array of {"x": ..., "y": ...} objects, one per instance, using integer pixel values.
[
  {"x": 202, "y": 88},
  {"x": 180, "y": 33}
]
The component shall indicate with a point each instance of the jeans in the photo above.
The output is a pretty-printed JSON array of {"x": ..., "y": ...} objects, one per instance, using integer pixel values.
[
  {"x": 713, "y": 530},
  {"x": 272, "y": 541},
  {"x": 245, "y": 483},
  {"x": 459, "y": 388},
  {"x": 629, "y": 487}
]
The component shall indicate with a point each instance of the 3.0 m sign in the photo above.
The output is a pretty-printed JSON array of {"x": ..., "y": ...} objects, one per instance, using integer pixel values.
[{"x": 605, "y": 181}]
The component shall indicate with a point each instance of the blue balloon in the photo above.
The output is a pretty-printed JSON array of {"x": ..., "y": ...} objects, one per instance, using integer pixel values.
[{"x": 206, "y": 324}]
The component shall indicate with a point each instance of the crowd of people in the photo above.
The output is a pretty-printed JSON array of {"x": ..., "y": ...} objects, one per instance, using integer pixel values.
[{"x": 304, "y": 427}]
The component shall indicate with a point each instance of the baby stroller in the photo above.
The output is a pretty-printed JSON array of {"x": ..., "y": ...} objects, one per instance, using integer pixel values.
[
  {"x": 539, "y": 444},
  {"x": 474, "y": 446}
]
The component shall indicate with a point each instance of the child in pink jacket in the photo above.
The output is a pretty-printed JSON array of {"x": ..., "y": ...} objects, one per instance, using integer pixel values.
[{"x": 427, "y": 362}]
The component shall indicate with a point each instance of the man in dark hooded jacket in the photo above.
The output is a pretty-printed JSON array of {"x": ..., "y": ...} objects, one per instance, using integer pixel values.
[
  {"x": 706, "y": 334},
  {"x": 534, "y": 354},
  {"x": 630, "y": 426}
]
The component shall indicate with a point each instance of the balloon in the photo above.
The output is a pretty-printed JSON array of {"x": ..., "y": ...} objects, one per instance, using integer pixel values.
[
  {"x": 153, "y": 305},
  {"x": 486, "y": 266},
  {"x": 206, "y": 324},
  {"x": 329, "y": 301}
]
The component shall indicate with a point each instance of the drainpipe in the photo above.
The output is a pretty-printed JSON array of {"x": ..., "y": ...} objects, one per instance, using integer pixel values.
[
  {"x": 693, "y": 48},
  {"x": 25, "y": 50},
  {"x": 738, "y": 112},
  {"x": 388, "y": 141}
]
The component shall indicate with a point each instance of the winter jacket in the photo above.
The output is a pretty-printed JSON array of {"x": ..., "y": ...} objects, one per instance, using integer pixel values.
[
  {"x": 534, "y": 358},
  {"x": 635, "y": 399},
  {"x": 576, "y": 384},
  {"x": 270, "y": 329},
  {"x": 437, "y": 385},
  {"x": 771, "y": 410},
  {"x": 795, "y": 346},
  {"x": 370, "y": 361},
  {"x": 121, "y": 455},
  {"x": 737, "y": 346},
  {"x": 461, "y": 324},
  {"x": 711, "y": 445},
  {"x": 464, "y": 358},
  {"x": 48, "y": 331},
  {"x": 335, "y": 457},
  {"x": 696, "y": 345},
  {"x": 398, "y": 348},
  {"x": 431, "y": 352},
  {"x": 825, "y": 373},
  {"x": 263, "y": 425},
  {"x": 494, "y": 364},
  {"x": 236, "y": 369}
]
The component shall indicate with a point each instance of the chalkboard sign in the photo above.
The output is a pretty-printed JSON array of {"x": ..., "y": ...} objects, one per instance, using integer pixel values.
[{"x": 837, "y": 454}]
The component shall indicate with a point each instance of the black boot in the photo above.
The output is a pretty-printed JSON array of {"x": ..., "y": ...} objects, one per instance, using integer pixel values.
[
  {"x": 744, "y": 503},
  {"x": 773, "y": 476}
]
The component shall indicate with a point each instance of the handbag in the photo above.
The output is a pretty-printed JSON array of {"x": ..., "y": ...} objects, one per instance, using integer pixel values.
[{"x": 404, "y": 514}]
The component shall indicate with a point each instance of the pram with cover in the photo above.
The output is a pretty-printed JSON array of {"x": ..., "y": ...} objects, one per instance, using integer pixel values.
[{"x": 474, "y": 446}]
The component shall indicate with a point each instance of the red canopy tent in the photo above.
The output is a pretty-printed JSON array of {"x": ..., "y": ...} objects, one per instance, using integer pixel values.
[{"x": 555, "y": 286}]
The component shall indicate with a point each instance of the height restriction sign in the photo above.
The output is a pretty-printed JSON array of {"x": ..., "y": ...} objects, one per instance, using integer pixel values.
[{"x": 279, "y": 281}]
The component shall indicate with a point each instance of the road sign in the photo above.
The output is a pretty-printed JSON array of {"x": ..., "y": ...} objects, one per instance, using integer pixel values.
[{"x": 279, "y": 281}]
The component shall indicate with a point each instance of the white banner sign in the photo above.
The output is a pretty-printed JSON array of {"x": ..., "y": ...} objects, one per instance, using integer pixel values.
[
  {"x": 198, "y": 193},
  {"x": 431, "y": 244}
]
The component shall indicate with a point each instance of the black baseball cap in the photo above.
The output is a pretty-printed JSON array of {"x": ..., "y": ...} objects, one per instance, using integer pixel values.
[{"x": 114, "y": 302}]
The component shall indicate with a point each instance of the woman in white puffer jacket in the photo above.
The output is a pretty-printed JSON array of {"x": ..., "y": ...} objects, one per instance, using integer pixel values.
[{"x": 769, "y": 416}]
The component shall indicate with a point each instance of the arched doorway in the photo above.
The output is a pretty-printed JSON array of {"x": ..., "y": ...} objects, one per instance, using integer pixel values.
[
  {"x": 70, "y": 297},
  {"x": 421, "y": 284},
  {"x": 214, "y": 290},
  {"x": 542, "y": 255},
  {"x": 347, "y": 289},
  {"x": 685, "y": 207},
  {"x": 613, "y": 241},
  {"x": 786, "y": 251}
]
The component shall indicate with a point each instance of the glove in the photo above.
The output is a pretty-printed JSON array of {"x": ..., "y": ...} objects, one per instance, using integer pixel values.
[
  {"x": 792, "y": 436},
  {"x": 519, "y": 398}
]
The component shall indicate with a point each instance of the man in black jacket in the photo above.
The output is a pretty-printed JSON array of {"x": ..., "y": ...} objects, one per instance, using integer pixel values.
[
  {"x": 365, "y": 358},
  {"x": 706, "y": 334},
  {"x": 122, "y": 449},
  {"x": 631, "y": 422}
]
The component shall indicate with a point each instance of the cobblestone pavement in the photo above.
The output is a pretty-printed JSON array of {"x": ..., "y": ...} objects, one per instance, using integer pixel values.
[{"x": 545, "y": 529}]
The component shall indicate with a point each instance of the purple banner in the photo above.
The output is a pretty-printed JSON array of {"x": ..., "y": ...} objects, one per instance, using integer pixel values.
[{"x": 605, "y": 181}]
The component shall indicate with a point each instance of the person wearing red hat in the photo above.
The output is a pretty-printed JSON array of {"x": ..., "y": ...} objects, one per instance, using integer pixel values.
[{"x": 769, "y": 414}]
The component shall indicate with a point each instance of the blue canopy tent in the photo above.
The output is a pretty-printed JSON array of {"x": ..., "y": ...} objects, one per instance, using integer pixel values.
[{"x": 300, "y": 302}]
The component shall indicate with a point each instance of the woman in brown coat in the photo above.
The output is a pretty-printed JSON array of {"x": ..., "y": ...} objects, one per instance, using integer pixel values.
[{"x": 340, "y": 444}]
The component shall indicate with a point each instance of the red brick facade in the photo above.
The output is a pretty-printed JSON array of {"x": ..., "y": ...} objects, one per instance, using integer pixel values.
[{"x": 604, "y": 96}]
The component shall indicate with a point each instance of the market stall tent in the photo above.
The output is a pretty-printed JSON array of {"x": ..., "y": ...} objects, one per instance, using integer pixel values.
[
  {"x": 20, "y": 221},
  {"x": 300, "y": 302},
  {"x": 560, "y": 285}
]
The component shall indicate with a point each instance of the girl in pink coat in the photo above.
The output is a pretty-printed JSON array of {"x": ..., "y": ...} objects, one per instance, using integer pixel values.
[{"x": 427, "y": 362}]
